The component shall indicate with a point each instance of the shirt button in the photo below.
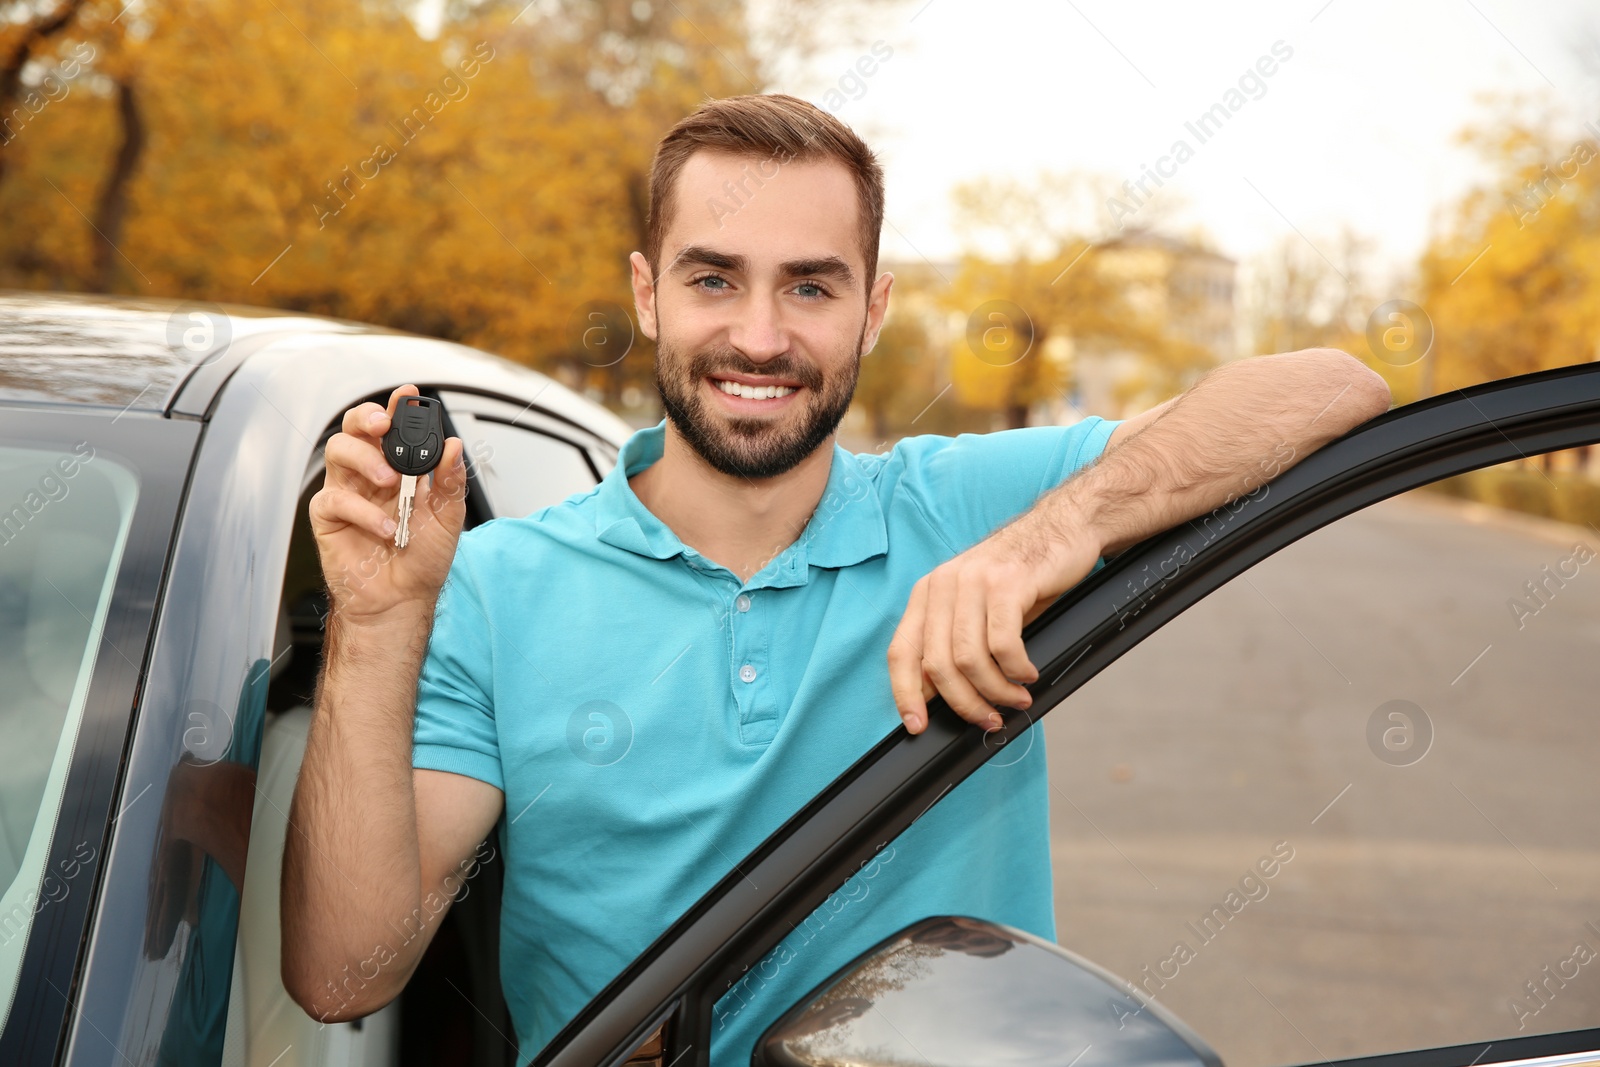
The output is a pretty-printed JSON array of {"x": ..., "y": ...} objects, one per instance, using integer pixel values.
[
  {"x": 747, "y": 673},
  {"x": 743, "y": 603}
]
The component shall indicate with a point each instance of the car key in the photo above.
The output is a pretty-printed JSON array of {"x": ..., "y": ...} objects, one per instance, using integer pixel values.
[{"x": 412, "y": 446}]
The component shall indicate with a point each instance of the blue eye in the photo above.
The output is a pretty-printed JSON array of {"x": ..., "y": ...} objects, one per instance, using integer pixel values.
[
  {"x": 816, "y": 290},
  {"x": 704, "y": 283}
]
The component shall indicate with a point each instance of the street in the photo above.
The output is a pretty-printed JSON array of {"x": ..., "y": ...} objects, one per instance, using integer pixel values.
[{"x": 1443, "y": 866}]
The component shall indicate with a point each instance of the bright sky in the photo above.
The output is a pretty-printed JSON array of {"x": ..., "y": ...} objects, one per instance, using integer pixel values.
[{"x": 1355, "y": 127}]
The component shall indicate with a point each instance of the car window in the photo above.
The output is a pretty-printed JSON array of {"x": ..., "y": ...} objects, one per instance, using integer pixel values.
[
  {"x": 521, "y": 469},
  {"x": 64, "y": 518},
  {"x": 1341, "y": 807},
  {"x": 1345, "y": 805}
]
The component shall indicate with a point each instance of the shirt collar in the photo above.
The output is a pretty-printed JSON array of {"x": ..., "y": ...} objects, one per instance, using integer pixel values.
[{"x": 847, "y": 528}]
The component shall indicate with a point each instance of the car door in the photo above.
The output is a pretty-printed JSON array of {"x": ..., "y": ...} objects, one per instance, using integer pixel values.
[
  {"x": 678, "y": 981},
  {"x": 88, "y": 502}
]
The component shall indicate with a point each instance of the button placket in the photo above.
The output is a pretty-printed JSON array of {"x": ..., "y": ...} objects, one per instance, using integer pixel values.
[{"x": 752, "y": 686}]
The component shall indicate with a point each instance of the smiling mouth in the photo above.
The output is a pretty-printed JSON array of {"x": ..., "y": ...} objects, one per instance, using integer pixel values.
[{"x": 753, "y": 392}]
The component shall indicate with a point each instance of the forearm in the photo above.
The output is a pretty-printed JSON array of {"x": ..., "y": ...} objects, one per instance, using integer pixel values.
[
  {"x": 1239, "y": 427},
  {"x": 351, "y": 865}
]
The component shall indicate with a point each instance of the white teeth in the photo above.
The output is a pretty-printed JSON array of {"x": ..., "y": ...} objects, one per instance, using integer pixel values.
[{"x": 754, "y": 392}]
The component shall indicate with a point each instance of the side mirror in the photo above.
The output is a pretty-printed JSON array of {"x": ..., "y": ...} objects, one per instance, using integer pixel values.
[{"x": 954, "y": 991}]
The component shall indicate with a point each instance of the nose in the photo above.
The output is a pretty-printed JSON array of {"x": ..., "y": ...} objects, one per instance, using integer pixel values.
[{"x": 757, "y": 329}]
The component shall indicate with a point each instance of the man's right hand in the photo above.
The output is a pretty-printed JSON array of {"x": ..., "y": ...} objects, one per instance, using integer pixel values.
[{"x": 353, "y": 518}]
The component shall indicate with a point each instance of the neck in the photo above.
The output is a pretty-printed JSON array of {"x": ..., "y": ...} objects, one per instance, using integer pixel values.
[{"x": 739, "y": 523}]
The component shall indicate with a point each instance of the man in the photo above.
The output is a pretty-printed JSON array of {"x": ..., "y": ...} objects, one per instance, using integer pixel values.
[{"x": 639, "y": 684}]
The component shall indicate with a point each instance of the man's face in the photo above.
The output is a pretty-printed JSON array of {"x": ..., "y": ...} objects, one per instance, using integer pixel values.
[{"x": 760, "y": 311}]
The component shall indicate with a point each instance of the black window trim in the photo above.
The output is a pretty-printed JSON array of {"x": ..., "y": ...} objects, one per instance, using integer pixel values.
[
  {"x": 162, "y": 452},
  {"x": 680, "y": 976}
]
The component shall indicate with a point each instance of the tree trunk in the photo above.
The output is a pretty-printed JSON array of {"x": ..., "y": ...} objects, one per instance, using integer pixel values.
[
  {"x": 12, "y": 64},
  {"x": 113, "y": 204}
]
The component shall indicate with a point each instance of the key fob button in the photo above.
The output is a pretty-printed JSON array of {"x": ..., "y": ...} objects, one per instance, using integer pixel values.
[{"x": 425, "y": 452}]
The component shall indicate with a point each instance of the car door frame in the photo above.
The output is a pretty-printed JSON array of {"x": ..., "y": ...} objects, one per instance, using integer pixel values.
[{"x": 701, "y": 955}]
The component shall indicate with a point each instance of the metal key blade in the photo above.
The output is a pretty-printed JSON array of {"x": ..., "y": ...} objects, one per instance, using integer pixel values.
[{"x": 408, "y": 501}]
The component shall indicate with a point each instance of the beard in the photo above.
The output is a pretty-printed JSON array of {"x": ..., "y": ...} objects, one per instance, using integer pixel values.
[{"x": 758, "y": 447}]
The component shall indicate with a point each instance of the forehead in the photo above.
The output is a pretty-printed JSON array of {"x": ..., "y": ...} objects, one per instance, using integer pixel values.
[{"x": 770, "y": 213}]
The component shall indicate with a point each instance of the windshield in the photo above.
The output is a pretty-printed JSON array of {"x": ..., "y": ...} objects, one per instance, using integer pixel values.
[{"x": 63, "y": 521}]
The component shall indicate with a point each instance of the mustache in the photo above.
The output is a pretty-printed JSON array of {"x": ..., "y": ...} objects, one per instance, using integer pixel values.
[{"x": 711, "y": 364}]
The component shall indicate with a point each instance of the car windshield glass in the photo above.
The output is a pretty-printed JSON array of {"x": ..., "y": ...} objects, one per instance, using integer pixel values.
[{"x": 63, "y": 521}]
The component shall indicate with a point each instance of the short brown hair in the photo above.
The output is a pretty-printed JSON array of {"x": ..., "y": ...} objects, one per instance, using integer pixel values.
[{"x": 769, "y": 126}]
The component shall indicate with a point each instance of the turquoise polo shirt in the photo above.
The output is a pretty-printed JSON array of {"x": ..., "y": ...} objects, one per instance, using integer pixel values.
[{"x": 651, "y": 719}]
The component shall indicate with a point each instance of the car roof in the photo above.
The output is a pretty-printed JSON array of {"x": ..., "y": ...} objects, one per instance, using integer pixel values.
[
  {"x": 173, "y": 357},
  {"x": 130, "y": 352}
]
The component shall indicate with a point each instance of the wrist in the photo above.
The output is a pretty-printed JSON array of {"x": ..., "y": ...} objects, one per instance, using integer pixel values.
[
  {"x": 1075, "y": 532},
  {"x": 399, "y": 632}
]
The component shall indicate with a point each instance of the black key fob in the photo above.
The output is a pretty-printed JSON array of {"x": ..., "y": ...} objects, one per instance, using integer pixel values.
[{"x": 416, "y": 435}]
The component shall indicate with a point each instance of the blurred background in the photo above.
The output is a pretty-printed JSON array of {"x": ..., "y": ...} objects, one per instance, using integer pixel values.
[{"x": 1089, "y": 204}]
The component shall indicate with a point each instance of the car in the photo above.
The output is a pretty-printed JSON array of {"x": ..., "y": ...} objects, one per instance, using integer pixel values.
[{"x": 162, "y": 454}]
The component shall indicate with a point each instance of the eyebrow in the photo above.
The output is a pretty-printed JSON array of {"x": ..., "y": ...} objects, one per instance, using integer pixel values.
[{"x": 821, "y": 267}]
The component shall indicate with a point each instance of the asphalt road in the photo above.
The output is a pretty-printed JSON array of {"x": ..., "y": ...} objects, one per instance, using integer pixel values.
[{"x": 1422, "y": 893}]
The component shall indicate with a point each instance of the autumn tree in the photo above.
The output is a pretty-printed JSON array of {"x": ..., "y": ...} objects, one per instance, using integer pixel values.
[
  {"x": 1512, "y": 280},
  {"x": 482, "y": 184},
  {"x": 1039, "y": 290}
]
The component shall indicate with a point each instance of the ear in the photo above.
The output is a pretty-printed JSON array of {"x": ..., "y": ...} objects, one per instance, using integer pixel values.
[
  {"x": 644, "y": 294},
  {"x": 877, "y": 308}
]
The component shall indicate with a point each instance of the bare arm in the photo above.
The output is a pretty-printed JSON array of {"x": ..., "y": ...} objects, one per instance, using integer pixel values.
[
  {"x": 376, "y": 851},
  {"x": 961, "y": 635},
  {"x": 1209, "y": 446}
]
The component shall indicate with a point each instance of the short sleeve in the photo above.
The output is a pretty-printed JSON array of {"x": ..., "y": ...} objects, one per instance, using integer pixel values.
[
  {"x": 455, "y": 726},
  {"x": 972, "y": 484}
]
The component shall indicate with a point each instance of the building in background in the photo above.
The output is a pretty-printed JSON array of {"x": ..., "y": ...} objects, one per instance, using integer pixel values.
[{"x": 1185, "y": 289}]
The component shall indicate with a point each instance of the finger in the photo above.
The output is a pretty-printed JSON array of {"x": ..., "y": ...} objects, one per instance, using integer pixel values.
[
  {"x": 360, "y": 420},
  {"x": 969, "y": 644},
  {"x": 1005, "y": 639},
  {"x": 905, "y": 662},
  {"x": 357, "y": 464},
  {"x": 448, "y": 483},
  {"x": 332, "y": 507},
  {"x": 938, "y": 657},
  {"x": 370, "y": 420}
]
